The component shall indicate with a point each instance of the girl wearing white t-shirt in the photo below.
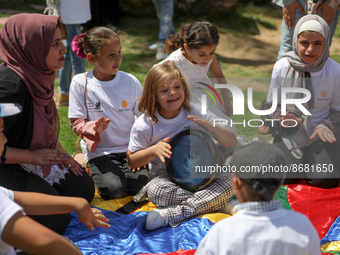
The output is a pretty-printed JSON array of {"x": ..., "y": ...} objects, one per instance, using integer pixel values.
[
  {"x": 310, "y": 142},
  {"x": 166, "y": 112},
  {"x": 102, "y": 109},
  {"x": 193, "y": 52}
]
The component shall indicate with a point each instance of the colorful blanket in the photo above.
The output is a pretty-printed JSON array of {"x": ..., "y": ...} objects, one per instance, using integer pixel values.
[{"x": 128, "y": 235}]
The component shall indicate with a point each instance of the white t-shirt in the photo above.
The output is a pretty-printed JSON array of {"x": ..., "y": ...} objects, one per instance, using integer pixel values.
[
  {"x": 275, "y": 232},
  {"x": 7, "y": 209},
  {"x": 74, "y": 11},
  {"x": 145, "y": 134},
  {"x": 326, "y": 85},
  {"x": 115, "y": 99},
  {"x": 190, "y": 71}
]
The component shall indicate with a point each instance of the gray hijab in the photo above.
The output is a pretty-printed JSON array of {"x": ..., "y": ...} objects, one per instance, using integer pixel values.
[
  {"x": 293, "y": 57},
  {"x": 298, "y": 76}
]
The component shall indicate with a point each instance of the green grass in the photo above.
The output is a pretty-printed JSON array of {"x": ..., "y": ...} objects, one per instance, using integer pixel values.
[
  {"x": 66, "y": 136},
  {"x": 27, "y": 6},
  {"x": 138, "y": 59}
]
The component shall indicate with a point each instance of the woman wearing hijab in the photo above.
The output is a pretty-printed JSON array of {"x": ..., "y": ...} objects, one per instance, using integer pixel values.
[
  {"x": 310, "y": 142},
  {"x": 33, "y": 159}
]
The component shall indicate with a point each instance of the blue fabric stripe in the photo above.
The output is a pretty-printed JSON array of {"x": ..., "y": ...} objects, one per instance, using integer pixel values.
[{"x": 128, "y": 235}]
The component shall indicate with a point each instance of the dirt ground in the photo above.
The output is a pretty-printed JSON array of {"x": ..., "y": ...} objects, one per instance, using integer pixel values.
[{"x": 257, "y": 51}]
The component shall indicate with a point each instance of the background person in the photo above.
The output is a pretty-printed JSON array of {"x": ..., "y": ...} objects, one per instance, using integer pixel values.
[
  {"x": 73, "y": 13},
  {"x": 294, "y": 10}
]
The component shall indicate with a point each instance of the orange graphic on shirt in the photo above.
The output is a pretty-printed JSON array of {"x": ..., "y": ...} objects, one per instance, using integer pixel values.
[
  {"x": 124, "y": 104},
  {"x": 323, "y": 93}
]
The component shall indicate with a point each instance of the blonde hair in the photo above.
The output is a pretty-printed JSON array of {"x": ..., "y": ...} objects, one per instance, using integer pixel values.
[{"x": 154, "y": 80}]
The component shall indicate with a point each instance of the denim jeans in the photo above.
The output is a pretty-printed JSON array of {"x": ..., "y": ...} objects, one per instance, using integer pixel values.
[
  {"x": 287, "y": 34},
  {"x": 164, "y": 10},
  {"x": 72, "y": 62}
]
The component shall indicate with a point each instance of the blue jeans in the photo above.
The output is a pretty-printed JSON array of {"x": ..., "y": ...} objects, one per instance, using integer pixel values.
[
  {"x": 287, "y": 34},
  {"x": 164, "y": 10},
  {"x": 72, "y": 62}
]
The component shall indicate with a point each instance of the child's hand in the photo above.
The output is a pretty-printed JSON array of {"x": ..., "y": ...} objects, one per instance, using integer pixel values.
[
  {"x": 91, "y": 217},
  {"x": 163, "y": 149},
  {"x": 264, "y": 130},
  {"x": 128, "y": 153},
  {"x": 201, "y": 122},
  {"x": 324, "y": 134},
  {"x": 290, "y": 120},
  {"x": 101, "y": 124},
  {"x": 228, "y": 109}
]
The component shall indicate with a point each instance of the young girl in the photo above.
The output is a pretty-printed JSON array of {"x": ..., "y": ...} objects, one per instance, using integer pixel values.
[
  {"x": 193, "y": 52},
  {"x": 102, "y": 111},
  {"x": 166, "y": 112},
  {"x": 312, "y": 142}
]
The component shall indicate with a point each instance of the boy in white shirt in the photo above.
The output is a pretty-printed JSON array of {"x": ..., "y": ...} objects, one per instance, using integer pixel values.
[{"x": 261, "y": 225}]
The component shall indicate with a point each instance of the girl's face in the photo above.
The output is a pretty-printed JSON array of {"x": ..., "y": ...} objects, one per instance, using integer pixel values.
[
  {"x": 3, "y": 138},
  {"x": 55, "y": 57},
  {"x": 106, "y": 63},
  {"x": 201, "y": 56},
  {"x": 310, "y": 46},
  {"x": 170, "y": 97}
]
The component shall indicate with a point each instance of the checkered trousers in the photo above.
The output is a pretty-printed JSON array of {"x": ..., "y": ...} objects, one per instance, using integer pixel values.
[{"x": 181, "y": 204}]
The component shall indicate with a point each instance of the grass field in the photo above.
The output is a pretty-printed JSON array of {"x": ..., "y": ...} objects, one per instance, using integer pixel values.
[{"x": 139, "y": 33}]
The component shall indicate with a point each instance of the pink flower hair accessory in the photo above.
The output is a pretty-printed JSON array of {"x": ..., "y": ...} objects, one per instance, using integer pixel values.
[{"x": 76, "y": 48}]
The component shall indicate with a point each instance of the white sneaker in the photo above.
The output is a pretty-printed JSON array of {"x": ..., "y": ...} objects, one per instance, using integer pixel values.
[
  {"x": 157, "y": 219},
  {"x": 160, "y": 55},
  {"x": 153, "y": 46},
  {"x": 231, "y": 207}
]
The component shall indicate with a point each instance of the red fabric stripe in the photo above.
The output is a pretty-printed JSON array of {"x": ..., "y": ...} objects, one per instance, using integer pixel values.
[
  {"x": 321, "y": 206},
  {"x": 179, "y": 252}
]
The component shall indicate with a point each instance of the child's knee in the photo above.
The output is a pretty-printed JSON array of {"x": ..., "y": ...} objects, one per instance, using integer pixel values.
[{"x": 111, "y": 189}]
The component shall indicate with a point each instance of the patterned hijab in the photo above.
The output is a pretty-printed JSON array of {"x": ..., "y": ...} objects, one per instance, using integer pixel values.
[{"x": 25, "y": 41}]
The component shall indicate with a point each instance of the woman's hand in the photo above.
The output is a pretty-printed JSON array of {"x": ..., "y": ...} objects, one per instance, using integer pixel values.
[
  {"x": 101, "y": 124},
  {"x": 324, "y": 134},
  {"x": 163, "y": 149},
  {"x": 47, "y": 156},
  {"x": 290, "y": 120},
  {"x": 72, "y": 165}
]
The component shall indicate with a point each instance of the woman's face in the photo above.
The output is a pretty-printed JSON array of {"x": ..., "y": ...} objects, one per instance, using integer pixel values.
[
  {"x": 310, "y": 46},
  {"x": 55, "y": 57}
]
